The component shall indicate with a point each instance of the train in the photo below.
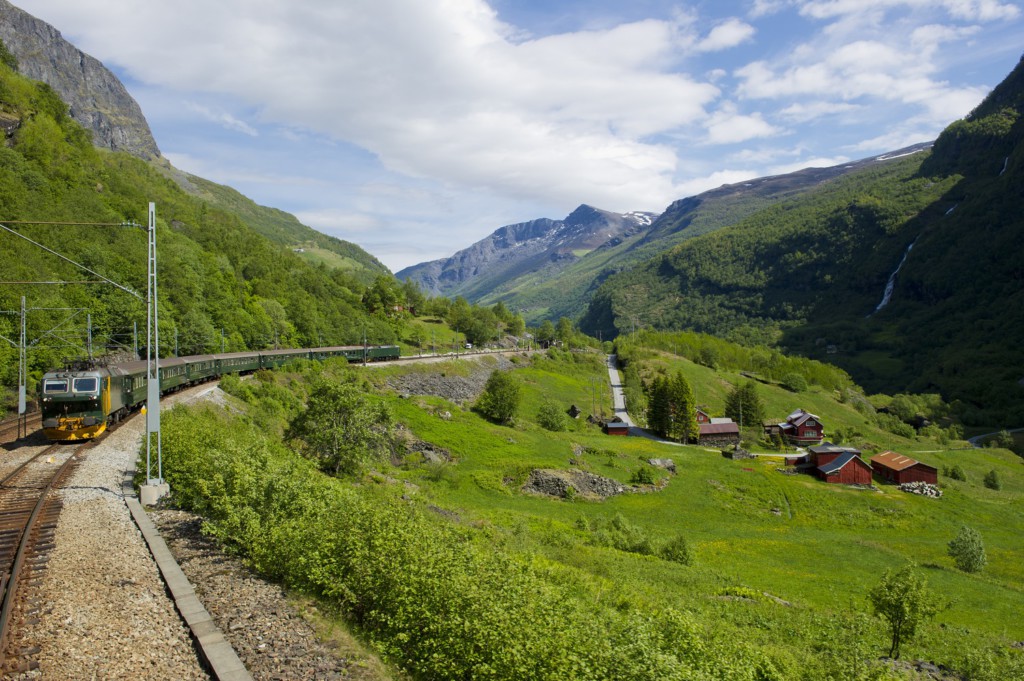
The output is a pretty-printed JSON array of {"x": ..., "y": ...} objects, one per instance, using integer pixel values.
[{"x": 79, "y": 404}]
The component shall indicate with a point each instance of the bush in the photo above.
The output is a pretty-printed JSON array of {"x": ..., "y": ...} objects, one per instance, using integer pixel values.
[
  {"x": 500, "y": 399},
  {"x": 643, "y": 476},
  {"x": 794, "y": 382},
  {"x": 967, "y": 550},
  {"x": 992, "y": 480},
  {"x": 955, "y": 473},
  {"x": 551, "y": 417},
  {"x": 677, "y": 550}
]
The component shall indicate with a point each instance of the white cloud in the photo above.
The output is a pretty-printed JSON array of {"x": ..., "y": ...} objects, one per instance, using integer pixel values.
[
  {"x": 728, "y": 34},
  {"x": 223, "y": 119},
  {"x": 726, "y": 126},
  {"x": 967, "y": 10},
  {"x": 433, "y": 89}
]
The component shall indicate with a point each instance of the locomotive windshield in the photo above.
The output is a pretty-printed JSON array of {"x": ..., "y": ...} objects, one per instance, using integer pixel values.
[
  {"x": 55, "y": 385},
  {"x": 86, "y": 385}
]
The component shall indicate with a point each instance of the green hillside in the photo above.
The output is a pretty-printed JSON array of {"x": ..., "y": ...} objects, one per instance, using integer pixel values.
[
  {"x": 221, "y": 283},
  {"x": 809, "y": 273},
  {"x": 453, "y": 571},
  {"x": 283, "y": 228},
  {"x": 543, "y": 295}
]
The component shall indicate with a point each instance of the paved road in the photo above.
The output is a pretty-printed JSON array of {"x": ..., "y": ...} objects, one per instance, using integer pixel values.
[{"x": 619, "y": 404}]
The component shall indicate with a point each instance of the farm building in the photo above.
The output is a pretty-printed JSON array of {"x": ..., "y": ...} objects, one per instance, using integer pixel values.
[
  {"x": 819, "y": 455},
  {"x": 801, "y": 428},
  {"x": 719, "y": 434},
  {"x": 846, "y": 469},
  {"x": 616, "y": 427},
  {"x": 898, "y": 469}
]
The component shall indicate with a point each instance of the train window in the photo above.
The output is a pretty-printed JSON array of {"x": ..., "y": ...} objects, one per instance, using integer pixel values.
[
  {"x": 86, "y": 385},
  {"x": 52, "y": 385}
]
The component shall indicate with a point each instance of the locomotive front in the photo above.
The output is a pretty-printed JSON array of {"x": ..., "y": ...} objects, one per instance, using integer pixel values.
[{"x": 74, "y": 404}]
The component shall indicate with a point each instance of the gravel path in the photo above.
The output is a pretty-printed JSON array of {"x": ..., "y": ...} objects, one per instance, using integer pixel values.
[
  {"x": 105, "y": 612},
  {"x": 104, "y": 609}
]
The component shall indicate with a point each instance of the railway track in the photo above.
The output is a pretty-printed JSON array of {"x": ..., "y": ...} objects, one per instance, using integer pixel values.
[
  {"x": 29, "y": 510},
  {"x": 12, "y": 429}
]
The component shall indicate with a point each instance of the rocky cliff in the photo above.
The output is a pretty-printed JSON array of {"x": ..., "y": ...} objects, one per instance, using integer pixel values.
[{"x": 97, "y": 99}]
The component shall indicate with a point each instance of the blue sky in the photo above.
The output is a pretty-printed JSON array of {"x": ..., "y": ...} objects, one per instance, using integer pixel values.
[{"x": 415, "y": 128}]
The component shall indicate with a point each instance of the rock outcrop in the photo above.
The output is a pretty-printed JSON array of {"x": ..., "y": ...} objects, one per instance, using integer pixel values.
[{"x": 96, "y": 98}]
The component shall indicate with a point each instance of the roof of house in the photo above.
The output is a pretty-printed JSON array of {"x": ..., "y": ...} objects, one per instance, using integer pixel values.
[
  {"x": 838, "y": 463},
  {"x": 896, "y": 462},
  {"x": 799, "y": 416},
  {"x": 720, "y": 419},
  {"x": 719, "y": 429},
  {"x": 829, "y": 448}
]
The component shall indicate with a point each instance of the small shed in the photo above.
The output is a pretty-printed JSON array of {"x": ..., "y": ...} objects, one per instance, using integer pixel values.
[
  {"x": 846, "y": 469},
  {"x": 616, "y": 427},
  {"x": 898, "y": 469}
]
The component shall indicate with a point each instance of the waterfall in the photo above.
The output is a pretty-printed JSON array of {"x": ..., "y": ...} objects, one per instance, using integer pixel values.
[
  {"x": 891, "y": 284},
  {"x": 1005, "y": 162}
]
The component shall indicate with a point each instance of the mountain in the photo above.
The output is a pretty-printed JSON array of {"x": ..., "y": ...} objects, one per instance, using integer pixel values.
[
  {"x": 540, "y": 247},
  {"x": 95, "y": 97},
  {"x": 565, "y": 291},
  {"x": 909, "y": 275}
]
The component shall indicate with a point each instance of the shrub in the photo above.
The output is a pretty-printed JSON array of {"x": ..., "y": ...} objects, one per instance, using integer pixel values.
[
  {"x": 967, "y": 550},
  {"x": 551, "y": 417},
  {"x": 794, "y": 382},
  {"x": 500, "y": 399},
  {"x": 902, "y": 599},
  {"x": 677, "y": 550},
  {"x": 955, "y": 473},
  {"x": 992, "y": 480},
  {"x": 643, "y": 476}
]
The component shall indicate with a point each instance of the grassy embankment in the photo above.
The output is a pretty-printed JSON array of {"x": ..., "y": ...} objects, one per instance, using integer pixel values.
[{"x": 753, "y": 530}]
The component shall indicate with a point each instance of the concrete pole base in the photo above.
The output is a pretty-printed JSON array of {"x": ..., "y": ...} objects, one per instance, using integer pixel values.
[{"x": 150, "y": 494}]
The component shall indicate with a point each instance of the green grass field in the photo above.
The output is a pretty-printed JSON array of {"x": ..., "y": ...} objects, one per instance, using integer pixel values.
[{"x": 819, "y": 547}]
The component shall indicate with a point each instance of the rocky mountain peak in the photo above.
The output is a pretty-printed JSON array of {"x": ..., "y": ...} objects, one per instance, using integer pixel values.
[{"x": 95, "y": 97}]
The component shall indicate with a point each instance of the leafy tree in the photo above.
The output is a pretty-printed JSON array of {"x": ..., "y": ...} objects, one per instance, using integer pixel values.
[
  {"x": 967, "y": 550},
  {"x": 500, "y": 399},
  {"x": 743, "y": 404},
  {"x": 794, "y": 382},
  {"x": 341, "y": 429},
  {"x": 903, "y": 600},
  {"x": 992, "y": 480},
  {"x": 564, "y": 330},
  {"x": 545, "y": 332},
  {"x": 1004, "y": 439}
]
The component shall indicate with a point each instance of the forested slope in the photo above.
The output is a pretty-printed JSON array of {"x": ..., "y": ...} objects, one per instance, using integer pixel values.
[
  {"x": 217, "y": 274},
  {"x": 810, "y": 273}
]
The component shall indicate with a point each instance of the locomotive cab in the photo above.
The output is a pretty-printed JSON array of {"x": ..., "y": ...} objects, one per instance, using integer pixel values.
[{"x": 74, "y": 404}]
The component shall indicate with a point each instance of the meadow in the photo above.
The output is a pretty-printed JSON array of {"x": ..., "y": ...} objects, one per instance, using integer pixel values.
[{"x": 781, "y": 564}]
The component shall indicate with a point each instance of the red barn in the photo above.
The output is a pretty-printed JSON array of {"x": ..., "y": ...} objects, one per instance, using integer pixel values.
[
  {"x": 898, "y": 469},
  {"x": 703, "y": 416},
  {"x": 827, "y": 453},
  {"x": 846, "y": 469}
]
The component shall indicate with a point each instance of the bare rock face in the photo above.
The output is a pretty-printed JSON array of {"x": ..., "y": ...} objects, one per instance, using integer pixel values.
[{"x": 96, "y": 98}]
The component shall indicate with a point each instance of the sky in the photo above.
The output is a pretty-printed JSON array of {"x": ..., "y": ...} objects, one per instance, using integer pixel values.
[{"x": 415, "y": 128}]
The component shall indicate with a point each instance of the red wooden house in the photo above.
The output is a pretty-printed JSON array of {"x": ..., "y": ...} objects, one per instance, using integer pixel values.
[
  {"x": 802, "y": 428},
  {"x": 703, "y": 416},
  {"x": 898, "y": 469}
]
